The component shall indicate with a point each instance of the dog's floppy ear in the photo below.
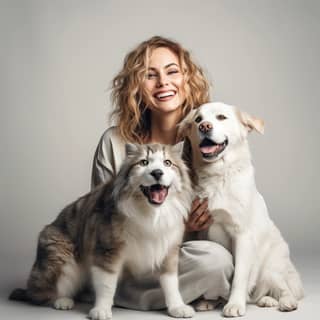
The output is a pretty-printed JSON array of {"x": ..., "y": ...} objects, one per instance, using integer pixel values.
[
  {"x": 131, "y": 149},
  {"x": 185, "y": 124},
  {"x": 251, "y": 122}
]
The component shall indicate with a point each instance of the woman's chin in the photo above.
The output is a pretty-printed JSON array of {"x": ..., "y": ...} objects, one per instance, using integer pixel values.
[{"x": 166, "y": 106}]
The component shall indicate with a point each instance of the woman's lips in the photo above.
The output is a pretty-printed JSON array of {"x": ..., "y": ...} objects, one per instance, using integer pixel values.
[{"x": 165, "y": 95}]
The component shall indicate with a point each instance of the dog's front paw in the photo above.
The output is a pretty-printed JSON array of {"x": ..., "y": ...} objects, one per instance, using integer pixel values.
[
  {"x": 100, "y": 314},
  {"x": 64, "y": 303},
  {"x": 183, "y": 311},
  {"x": 234, "y": 310},
  {"x": 267, "y": 302},
  {"x": 288, "y": 303}
]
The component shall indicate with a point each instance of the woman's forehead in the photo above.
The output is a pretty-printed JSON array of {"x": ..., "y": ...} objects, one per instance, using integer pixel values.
[{"x": 163, "y": 58}]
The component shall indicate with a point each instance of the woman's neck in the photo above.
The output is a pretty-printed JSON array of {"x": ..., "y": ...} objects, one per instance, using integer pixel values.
[{"x": 164, "y": 128}]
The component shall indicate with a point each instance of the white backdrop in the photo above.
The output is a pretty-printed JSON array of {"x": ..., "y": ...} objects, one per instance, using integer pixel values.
[{"x": 58, "y": 59}]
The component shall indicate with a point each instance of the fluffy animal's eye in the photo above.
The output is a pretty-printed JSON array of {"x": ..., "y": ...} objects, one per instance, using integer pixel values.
[
  {"x": 198, "y": 119},
  {"x": 221, "y": 117},
  {"x": 144, "y": 162},
  {"x": 167, "y": 163}
]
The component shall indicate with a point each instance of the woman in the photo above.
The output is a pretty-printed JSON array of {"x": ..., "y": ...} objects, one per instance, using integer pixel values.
[{"x": 157, "y": 86}]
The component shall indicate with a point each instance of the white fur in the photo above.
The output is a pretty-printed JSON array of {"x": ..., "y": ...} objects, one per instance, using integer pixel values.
[
  {"x": 70, "y": 281},
  {"x": 64, "y": 303},
  {"x": 105, "y": 284},
  {"x": 151, "y": 232},
  {"x": 174, "y": 302},
  {"x": 148, "y": 241},
  {"x": 241, "y": 220},
  {"x": 150, "y": 237}
]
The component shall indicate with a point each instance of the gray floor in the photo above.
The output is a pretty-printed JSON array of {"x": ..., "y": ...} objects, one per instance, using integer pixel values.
[{"x": 13, "y": 274}]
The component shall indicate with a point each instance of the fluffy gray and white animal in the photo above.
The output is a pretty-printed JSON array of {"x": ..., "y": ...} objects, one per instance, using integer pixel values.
[
  {"x": 221, "y": 160},
  {"x": 133, "y": 224}
]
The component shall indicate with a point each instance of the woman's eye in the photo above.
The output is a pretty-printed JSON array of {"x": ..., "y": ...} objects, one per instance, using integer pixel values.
[
  {"x": 173, "y": 71},
  {"x": 167, "y": 163},
  {"x": 144, "y": 162},
  {"x": 198, "y": 119},
  {"x": 221, "y": 117},
  {"x": 151, "y": 75}
]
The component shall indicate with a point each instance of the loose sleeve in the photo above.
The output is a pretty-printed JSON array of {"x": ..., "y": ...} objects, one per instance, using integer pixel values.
[{"x": 108, "y": 158}]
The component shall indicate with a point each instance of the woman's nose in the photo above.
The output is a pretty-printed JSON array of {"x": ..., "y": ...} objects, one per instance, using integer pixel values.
[{"x": 162, "y": 80}]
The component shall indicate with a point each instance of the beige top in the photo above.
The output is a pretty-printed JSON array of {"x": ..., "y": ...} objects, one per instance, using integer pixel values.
[{"x": 109, "y": 155}]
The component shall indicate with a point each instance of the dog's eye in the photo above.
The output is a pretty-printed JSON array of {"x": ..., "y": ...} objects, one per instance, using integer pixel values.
[
  {"x": 144, "y": 162},
  {"x": 198, "y": 119},
  {"x": 221, "y": 117},
  {"x": 167, "y": 163}
]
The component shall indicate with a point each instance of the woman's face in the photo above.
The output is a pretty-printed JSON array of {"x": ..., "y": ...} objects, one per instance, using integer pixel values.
[{"x": 164, "y": 82}]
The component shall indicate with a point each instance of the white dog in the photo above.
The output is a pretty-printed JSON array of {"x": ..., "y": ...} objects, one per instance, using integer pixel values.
[{"x": 264, "y": 273}]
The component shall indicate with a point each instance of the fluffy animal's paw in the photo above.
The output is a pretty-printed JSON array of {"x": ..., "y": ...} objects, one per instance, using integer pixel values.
[
  {"x": 288, "y": 303},
  {"x": 234, "y": 310},
  {"x": 63, "y": 303},
  {"x": 100, "y": 314},
  {"x": 205, "y": 305},
  {"x": 183, "y": 311},
  {"x": 267, "y": 302}
]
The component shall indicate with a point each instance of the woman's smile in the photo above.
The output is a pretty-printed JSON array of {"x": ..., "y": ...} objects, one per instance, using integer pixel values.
[
  {"x": 164, "y": 95},
  {"x": 163, "y": 86}
]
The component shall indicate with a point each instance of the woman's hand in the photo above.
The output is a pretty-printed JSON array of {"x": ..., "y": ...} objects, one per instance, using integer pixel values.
[{"x": 199, "y": 217}]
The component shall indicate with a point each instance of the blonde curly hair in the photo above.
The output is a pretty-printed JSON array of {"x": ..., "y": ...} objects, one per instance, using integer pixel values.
[{"x": 133, "y": 115}]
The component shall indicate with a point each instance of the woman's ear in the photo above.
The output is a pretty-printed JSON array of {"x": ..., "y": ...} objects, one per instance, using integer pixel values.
[
  {"x": 184, "y": 126},
  {"x": 251, "y": 122}
]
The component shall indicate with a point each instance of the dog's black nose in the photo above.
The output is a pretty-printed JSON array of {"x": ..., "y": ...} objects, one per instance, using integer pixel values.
[
  {"x": 157, "y": 174},
  {"x": 205, "y": 127}
]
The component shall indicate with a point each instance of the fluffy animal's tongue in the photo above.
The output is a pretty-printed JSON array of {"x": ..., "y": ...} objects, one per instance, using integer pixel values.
[
  {"x": 158, "y": 195},
  {"x": 209, "y": 149}
]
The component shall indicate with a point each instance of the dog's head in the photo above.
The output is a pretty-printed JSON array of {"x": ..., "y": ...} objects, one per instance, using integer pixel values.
[
  {"x": 153, "y": 172},
  {"x": 215, "y": 127}
]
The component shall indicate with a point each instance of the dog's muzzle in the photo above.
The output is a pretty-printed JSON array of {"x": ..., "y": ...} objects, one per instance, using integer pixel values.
[
  {"x": 156, "y": 193},
  {"x": 210, "y": 149}
]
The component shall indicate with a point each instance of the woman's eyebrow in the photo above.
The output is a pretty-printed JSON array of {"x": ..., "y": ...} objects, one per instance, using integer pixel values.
[
  {"x": 171, "y": 64},
  {"x": 166, "y": 67}
]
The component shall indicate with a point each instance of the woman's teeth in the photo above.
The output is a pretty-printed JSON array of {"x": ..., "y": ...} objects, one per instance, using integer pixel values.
[{"x": 165, "y": 94}]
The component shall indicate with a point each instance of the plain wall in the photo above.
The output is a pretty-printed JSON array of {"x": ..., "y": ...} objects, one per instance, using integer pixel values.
[{"x": 58, "y": 59}]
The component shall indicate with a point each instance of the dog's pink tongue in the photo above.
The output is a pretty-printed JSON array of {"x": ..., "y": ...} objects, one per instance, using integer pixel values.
[
  {"x": 159, "y": 196},
  {"x": 209, "y": 149}
]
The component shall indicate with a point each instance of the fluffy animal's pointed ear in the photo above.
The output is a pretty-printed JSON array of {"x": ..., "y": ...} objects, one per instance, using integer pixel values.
[
  {"x": 178, "y": 148},
  {"x": 131, "y": 149},
  {"x": 185, "y": 124},
  {"x": 251, "y": 122}
]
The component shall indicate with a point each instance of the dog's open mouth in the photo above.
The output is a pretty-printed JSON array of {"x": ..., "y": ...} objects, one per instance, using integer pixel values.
[
  {"x": 156, "y": 194},
  {"x": 211, "y": 149}
]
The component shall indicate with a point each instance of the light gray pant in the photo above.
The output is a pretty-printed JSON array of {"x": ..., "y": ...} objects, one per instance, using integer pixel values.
[{"x": 205, "y": 269}]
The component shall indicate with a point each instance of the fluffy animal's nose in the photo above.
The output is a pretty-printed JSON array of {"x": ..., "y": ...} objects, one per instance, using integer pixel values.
[
  {"x": 205, "y": 127},
  {"x": 157, "y": 174}
]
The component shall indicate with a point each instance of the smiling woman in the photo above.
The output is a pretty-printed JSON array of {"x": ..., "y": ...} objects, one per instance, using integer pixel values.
[
  {"x": 157, "y": 87},
  {"x": 163, "y": 91},
  {"x": 158, "y": 75},
  {"x": 163, "y": 85}
]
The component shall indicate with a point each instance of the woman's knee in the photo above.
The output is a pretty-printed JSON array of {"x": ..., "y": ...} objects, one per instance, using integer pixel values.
[{"x": 210, "y": 258}]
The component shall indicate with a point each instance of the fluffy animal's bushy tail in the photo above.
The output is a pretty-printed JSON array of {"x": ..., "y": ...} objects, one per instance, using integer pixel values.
[{"x": 19, "y": 295}]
